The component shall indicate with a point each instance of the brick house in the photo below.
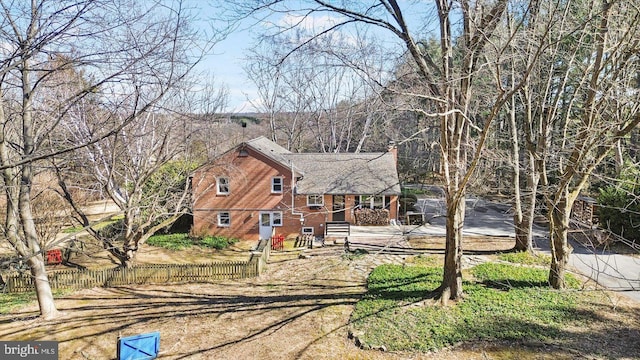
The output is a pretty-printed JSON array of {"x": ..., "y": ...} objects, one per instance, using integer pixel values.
[{"x": 259, "y": 186}]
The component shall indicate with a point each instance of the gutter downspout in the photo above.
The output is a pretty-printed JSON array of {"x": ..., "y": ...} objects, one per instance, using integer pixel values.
[{"x": 293, "y": 195}]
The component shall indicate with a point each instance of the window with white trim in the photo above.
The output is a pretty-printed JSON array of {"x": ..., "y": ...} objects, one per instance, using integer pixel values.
[
  {"x": 373, "y": 201},
  {"x": 315, "y": 200},
  {"x": 224, "y": 219},
  {"x": 378, "y": 202},
  {"x": 276, "y": 218},
  {"x": 276, "y": 184},
  {"x": 222, "y": 185}
]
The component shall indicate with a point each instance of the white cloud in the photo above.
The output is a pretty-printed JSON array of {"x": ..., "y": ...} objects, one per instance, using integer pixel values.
[
  {"x": 314, "y": 25},
  {"x": 310, "y": 23}
]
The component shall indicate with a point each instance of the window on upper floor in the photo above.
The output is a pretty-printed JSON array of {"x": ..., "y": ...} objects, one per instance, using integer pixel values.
[
  {"x": 222, "y": 185},
  {"x": 276, "y": 185}
]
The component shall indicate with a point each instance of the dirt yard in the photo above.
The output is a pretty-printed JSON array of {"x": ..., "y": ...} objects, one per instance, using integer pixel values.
[{"x": 298, "y": 309}]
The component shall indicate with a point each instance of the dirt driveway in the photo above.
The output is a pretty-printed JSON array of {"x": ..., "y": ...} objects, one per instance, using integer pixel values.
[{"x": 298, "y": 309}]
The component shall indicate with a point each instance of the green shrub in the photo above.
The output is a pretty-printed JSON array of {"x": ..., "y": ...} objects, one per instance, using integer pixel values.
[
  {"x": 171, "y": 241},
  {"x": 619, "y": 211},
  {"x": 180, "y": 241},
  {"x": 618, "y": 205},
  {"x": 72, "y": 230},
  {"x": 408, "y": 200},
  {"x": 411, "y": 192}
]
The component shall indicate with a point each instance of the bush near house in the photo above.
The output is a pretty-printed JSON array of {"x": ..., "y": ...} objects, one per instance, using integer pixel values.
[
  {"x": 618, "y": 205},
  {"x": 183, "y": 240}
]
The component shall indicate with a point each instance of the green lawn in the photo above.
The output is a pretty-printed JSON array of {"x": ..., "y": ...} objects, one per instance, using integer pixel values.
[
  {"x": 11, "y": 301},
  {"x": 503, "y": 302},
  {"x": 182, "y": 241}
]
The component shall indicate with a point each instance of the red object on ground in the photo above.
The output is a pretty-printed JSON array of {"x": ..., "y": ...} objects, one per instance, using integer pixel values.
[
  {"x": 277, "y": 242},
  {"x": 54, "y": 257}
]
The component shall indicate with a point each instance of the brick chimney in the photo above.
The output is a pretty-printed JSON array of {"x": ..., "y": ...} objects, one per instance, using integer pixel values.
[{"x": 393, "y": 149}]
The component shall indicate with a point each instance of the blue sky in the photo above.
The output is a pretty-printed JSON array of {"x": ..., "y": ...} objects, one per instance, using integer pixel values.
[
  {"x": 228, "y": 58},
  {"x": 226, "y": 65}
]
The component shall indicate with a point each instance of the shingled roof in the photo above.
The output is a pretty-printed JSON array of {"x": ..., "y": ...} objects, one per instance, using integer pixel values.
[
  {"x": 336, "y": 173},
  {"x": 347, "y": 173},
  {"x": 270, "y": 149}
]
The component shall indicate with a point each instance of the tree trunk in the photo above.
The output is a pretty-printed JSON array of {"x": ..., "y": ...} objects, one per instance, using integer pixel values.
[
  {"x": 559, "y": 214},
  {"x": 451, "y": 288},
  {"x": 619, "y": 157},
  {"x": 30, "y": 233},
  {"x": 44, "y": 294},
  {"x": 524, "y": 225}
]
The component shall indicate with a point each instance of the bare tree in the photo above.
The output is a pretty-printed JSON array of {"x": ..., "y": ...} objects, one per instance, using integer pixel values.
[
  {"x": 314, "y": 97},
  {"x": 573, "y": 112},
  {"x": 144, "y": 170},
  {"x": 130, "y": 53},
  {"x": 465, "y": 31},
  {"x": 599, "y": 103}
]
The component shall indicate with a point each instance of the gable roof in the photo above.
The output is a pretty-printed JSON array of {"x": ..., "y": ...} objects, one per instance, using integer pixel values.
[
  {"x": 270, "y": 149},
  {"x": 334, "y": 173},
  {"x": 346, "y": 173}
]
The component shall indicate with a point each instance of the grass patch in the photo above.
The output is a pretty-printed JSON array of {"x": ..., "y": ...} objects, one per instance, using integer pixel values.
[
  {"x": 8, "y": 302},
  {"x": 503, "y": 302},
  {"x": 183, "y": 241},
  {"x": 11, "y": 301},
  {"x": 72, "y": 230},
  {"x": 527, "y": 258},
  {"x": 424, "y": 260},
  {"x": 100, "y": 226},
  {"x": 354, "y": 255},
  {"x": 217, "y": 242},
  {"x": 171, "y": 241}
]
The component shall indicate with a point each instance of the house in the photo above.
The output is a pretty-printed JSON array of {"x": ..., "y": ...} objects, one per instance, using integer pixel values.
[{"x": 259, "y": 186}]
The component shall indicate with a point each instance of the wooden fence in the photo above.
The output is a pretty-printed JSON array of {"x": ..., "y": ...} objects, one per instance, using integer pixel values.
[{"x": 147, "y": 274}]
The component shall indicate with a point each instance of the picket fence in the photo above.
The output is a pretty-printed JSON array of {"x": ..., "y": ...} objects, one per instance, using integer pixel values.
[{"x": 146, "y": 274}]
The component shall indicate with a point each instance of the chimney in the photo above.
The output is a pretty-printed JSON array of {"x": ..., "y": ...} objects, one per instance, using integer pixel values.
[{"x": 393, "y": 149}]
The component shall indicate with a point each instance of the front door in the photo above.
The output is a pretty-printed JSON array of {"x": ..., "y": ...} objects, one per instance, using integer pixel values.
[
  {"x": 265, "y": 225},
  {"x": 338, "y": 208}
]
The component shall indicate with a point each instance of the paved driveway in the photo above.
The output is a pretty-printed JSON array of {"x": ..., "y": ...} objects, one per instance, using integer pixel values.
[{"x": 617, "y": 272}]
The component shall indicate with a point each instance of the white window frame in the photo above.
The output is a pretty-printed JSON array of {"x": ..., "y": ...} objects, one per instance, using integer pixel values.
[
  {"x": 273, "y": 185},
  {"x": 276, "y": 218},
  {"x": 370, "y": 202},
  {"x": 308, "y": 230},
  {"x": 221, "y": 216},
  {"x": 220, "y": 182},
  {"x": 321, "y": 203},
  {"x": 377, "y": 202}
]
